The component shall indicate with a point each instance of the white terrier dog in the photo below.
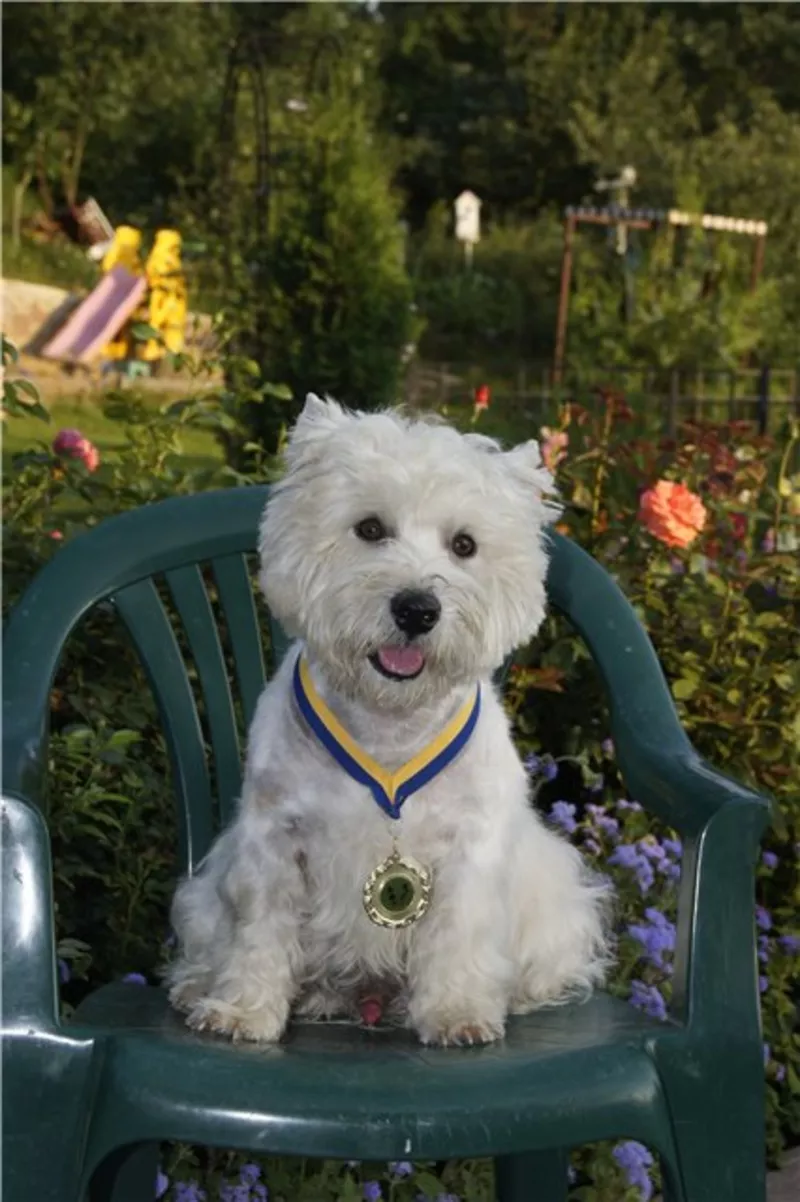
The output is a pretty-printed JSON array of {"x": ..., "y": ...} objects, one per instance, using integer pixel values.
[{"x": 385, "y": 853}]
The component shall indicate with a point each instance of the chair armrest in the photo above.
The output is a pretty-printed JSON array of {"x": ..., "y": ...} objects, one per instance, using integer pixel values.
[
  {"x": 30, "y": 992},
  {"x": 715, "y": 983}
]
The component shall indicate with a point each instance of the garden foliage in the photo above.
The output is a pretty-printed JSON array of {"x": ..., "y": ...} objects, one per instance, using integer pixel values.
[{"x": 701, "y": 532}]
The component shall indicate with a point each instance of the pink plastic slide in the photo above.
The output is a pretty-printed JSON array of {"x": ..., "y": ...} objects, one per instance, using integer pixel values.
[{"x": 98, "y": 318}]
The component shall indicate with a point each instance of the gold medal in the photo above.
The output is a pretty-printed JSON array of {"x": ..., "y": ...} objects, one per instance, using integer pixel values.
[{"x": 398, "y": 892}]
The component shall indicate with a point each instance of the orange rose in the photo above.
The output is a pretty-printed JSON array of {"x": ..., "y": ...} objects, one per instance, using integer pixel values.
[{"x": 672, "y": 513}]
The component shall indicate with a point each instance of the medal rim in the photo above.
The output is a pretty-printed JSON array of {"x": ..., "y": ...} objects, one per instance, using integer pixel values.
[{"x": 419, "y": 874}]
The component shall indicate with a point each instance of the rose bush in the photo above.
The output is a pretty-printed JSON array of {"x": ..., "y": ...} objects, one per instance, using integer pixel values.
[{"x": 721, "y": 607}]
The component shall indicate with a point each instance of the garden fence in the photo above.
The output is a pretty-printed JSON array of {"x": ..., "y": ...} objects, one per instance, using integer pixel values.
[{"x": 764, "y": 396}]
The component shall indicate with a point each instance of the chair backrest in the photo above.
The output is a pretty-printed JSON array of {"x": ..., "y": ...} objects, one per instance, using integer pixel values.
[{"x": 177, "y": 573}]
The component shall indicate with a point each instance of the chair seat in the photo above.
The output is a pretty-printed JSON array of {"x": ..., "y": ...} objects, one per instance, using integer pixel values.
[{"x": 571, "y": 1074}]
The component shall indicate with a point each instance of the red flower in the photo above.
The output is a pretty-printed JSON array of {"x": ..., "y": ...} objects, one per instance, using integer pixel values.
[{"x": 739, "y": 525}]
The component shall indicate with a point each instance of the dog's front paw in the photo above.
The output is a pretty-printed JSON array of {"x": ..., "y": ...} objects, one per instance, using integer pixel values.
[
  {"x": 458, "y": 1030},
  {"x": 265, "y": 1025}
]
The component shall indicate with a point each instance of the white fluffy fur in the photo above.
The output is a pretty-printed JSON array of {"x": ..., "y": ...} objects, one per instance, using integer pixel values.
[{"x": 274, "y": 920}]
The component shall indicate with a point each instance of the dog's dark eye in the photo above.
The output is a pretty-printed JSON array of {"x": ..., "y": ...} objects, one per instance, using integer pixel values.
[
  {"x": 463, "y": 545},
  {"x": 371, "y": 530}
]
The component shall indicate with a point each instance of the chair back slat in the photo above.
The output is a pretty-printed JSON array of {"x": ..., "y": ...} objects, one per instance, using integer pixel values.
[
  {"x": 241, "y": 619},
  {"x": 200, "y": 624},
  {"x": 146, "y": 619}
]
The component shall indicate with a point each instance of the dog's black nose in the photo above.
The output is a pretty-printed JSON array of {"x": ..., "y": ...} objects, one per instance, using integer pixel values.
[{"x": 415, "y": 612}]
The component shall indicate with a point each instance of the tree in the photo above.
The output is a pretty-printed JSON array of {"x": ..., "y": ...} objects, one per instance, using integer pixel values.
[{"x": 314, "y": 274}]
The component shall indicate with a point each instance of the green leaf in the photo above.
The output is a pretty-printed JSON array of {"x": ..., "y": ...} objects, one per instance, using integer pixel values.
[
  {"x": 124, "y": 738},
  {"x": 770, "y": 620},
  {"x": 142, "y": 332},
  {"x": 426, "y": 1183},
  {"x": 28, "y": 387},
  {"x": 684, "y": 688},
  {"x": 281, "y": 392}
]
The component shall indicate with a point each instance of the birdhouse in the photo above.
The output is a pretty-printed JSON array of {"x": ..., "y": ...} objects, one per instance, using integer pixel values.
[{"x": 468, "y": 217}]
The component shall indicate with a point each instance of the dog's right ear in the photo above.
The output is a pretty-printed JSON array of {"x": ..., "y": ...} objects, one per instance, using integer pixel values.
[{"x": 317, "y": 420}]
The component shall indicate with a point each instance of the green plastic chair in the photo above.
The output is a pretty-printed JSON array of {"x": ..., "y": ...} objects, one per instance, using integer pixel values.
[{"x": 87, "y": 1100}]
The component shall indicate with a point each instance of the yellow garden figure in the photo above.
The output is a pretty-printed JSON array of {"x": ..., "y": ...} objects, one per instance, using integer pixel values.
[
  {"x": 167, "y": 295},
  {"x": 124, "y": 251}
]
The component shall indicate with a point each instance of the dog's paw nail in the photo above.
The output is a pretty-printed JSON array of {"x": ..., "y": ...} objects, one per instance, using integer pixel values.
[
  {"x": 462, "y": 1034},
  {"x": 253, "y": 1028}
]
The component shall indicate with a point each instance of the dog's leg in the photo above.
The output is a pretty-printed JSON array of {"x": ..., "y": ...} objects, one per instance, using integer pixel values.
[
  {"x": 560, "y": 915},
  {"x": 460, "y": 971},
  {"x": 238, "y": 924}
]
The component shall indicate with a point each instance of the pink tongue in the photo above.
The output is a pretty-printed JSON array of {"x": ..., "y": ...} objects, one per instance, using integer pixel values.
[{"x": 401, "y": 661}]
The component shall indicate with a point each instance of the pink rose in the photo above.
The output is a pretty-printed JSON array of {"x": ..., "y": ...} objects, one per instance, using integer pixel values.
[
  {"x": 672, "y": 513},
  {"x": 554, "y": 447},
  {"x": 73, "y": 445}
]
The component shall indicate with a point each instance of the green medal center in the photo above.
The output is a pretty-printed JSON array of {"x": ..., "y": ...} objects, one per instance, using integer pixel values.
[{"x": 396, "y": 894}]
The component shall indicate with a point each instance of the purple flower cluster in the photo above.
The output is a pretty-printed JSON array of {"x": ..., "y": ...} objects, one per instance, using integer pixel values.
[
  {"x": 562, "y": 814},
  {"x": 763, "y": 918},
  {"x": 647, "y": 857},
  {"x": 601, "y": 820},
  {"x": 649, "y": 999},
  {"x": 623, "y": 806},
  {"x": 249, "y": 1187},
  {"x": 635, "y": 1161},
  {"x": 656, "y": 935},
  {"x": 189, "y": 1191},
  {"x": 544, "y": 766},
  {"x": 628, "y": 855}
]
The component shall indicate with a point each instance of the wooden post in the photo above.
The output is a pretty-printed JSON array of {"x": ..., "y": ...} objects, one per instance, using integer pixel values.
[
  {"x": 672, "y": 404},
  {"x": 758, "y": 261},
  {"x": 763, "y": 400},
  {"x": 563, "y": 298},
  {"x": 731, "y": 396}
]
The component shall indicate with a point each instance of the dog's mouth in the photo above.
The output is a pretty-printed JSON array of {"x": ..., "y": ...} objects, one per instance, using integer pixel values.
[{"x": 398, "y": 663}]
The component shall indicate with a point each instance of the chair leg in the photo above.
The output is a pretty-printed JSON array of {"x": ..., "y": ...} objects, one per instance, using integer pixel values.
[
  {"x": 127, "y": 1175},
  {"x": 532, "y": 1177},
  {"x": 50, "y": 1078},
  {"x": 715, "y": 1171},
  {"x": 719, "y": 1149}
]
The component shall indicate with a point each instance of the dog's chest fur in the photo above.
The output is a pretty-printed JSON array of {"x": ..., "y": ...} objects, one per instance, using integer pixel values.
[{"x": 342, "y": 834}]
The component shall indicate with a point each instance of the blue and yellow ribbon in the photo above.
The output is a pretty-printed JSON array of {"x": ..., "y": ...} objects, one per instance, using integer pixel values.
[{"x": 390, "y": 789}]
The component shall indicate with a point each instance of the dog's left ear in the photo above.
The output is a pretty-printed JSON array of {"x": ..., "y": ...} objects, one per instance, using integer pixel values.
[
  {"x": 317, "y": 420},
  {"x": 525, "y": 465}
]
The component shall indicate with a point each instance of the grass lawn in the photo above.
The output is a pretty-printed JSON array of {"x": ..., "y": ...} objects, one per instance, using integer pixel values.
[{"x": 22, "y": 433}]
